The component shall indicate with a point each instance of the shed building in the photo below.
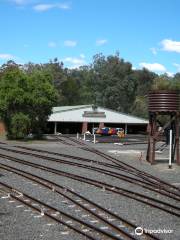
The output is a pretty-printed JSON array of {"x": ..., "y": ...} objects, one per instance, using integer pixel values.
[{"x": 82, "y": 118}]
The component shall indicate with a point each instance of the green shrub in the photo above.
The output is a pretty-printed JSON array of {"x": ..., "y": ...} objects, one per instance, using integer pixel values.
[
  {"x": 19, "y": 126},
  {"x": 161, "y": 83}
]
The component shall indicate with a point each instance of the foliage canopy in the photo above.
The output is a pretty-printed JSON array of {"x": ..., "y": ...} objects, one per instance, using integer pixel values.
[
  {"x": 26, "y": 100},
  {"x": 28, "y": 92}
]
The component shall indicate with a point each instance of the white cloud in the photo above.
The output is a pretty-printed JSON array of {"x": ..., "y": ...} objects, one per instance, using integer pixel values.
[
  {"x": 23, "y": 2},
  {"x": 46, "y": 7},
  {"x": 6, "y": 56},
  {"x": 75, "y": 62},
  {"x": 52, "y": 44},
  {"x": 170, "y": 74},
  {"x": 43, "y": 7},
  {"x": 63, "y": 6},
  {"x": 70, "y": 43},
  {"x": 170, "y": 45},
  {"x": 20, "y": 2},
  {"x": 153, "y": 50},
  {"x": 101, "y": 42},
  {"x": 82, "y": 55},
  {"x": 157, "y": 67},
  {"x": 177, "y": 65}
]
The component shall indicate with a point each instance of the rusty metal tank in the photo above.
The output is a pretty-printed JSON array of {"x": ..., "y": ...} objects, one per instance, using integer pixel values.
[{"x": 164, "y": 101}]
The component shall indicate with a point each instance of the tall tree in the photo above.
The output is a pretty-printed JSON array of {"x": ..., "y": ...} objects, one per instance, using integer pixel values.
[
  {"x": 26, "y": 100},
  {"x": 113, "y": 84}
]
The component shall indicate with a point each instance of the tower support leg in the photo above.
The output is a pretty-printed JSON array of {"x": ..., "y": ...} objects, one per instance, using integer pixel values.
[{"x": 177, "y": 140}]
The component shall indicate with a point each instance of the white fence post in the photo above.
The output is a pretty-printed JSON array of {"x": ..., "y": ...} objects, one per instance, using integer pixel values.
[
  {"x": 94, "y": 140},
  {"x": 170, "y": 148},
  {"x": 84, "y": 137}
]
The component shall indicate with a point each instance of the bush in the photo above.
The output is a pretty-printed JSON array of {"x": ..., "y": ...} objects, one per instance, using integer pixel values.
[
  {"x": 26, "y": 100},
  {"x": 19, "y": 126},
  {"x": 161, "y": 83}
]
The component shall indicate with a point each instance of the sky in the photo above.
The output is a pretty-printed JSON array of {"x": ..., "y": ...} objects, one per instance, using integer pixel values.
[{"x": 144, "y": 32}]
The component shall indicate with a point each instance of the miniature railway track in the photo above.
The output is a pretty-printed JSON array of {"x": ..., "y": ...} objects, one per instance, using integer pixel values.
[
  {"x": 111, "y": 173},
  {"x": 156, "y": 182},
  {"x": 63, "y": 141},
  {"x": 57, "y": 214},
  {"x": 77, "y": 141},
  {"x": 126, "y": 167},
  {"x": 148, "y": 177},
  {"x": 143, "y": 178},
  {"x": 74, "y": 142},
  {"x": 164, "y": 206},
  {"x": 100, "y": 213}
]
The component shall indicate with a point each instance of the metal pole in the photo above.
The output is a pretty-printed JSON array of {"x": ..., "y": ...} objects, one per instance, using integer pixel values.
[
  {"x": 55, "y": 127},
  {"x": 84, "y": 137},
  {"x": 77, "y": 136},
  {"x": 94, "y": 141},
  {"x": 177, "y": 140},
  {"x": 170, "y": 148},
  {"x": 125, "y": 131}
]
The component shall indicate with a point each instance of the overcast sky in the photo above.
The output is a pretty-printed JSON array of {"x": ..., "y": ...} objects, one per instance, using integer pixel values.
[{"x": 145, "y": 32}]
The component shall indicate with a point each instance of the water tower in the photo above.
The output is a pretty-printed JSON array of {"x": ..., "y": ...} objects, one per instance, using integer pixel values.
[{"x": 164, "y": 103}]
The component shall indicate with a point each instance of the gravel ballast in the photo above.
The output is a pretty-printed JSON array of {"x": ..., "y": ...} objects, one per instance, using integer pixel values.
[{"x": 19, "y": 224}]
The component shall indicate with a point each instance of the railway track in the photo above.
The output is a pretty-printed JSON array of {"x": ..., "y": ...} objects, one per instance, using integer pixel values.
[
  {"x": 144, "y": 175},
  {"x": 161, "y": 205},
  {"x": 63, "y": 141},
  {"x": 100, "y": 214},
  {"x": 145, "y": 180},
  {"x": 62, "y": 217},
  {"x": 139, "y": 182},
  {"x": 150, "y": 181},
  {"x": 126, "y": 167}
]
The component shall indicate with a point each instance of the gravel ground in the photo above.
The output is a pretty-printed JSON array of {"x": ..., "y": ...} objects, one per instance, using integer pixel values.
[{"x": 18, "y": 224}]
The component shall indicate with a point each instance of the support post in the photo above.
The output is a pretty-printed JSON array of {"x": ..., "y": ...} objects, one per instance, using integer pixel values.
[
  {"x": 94, "y": 139},
  {"x": 177, "y": 140},
  {"x": 151, "y": 149},
  {"x": 84, "y": 127},
  {"x": 84, "y": 137},
  {"x": 55, "y": 128},
  {"x": 101, "y": 125},
  {"x": 77, "y": 136},
  {"x": 154, "y": 140},
  {"x": 125, "y": 131},
  {"x": 170, "y": 148}
]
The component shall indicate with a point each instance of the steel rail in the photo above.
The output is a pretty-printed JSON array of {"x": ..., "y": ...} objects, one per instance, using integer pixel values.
[
  {"x": 142, "y": 184},
  {"x": 117, "y": 162},
  {"x": 145, "y": 175},
  {"x": 62, "y": 141},
  {"x": 76, "y": 219},
  {"x": 146, "y": 181},
  {"x": 127, "y": 193},
  {"x": 112, "y": 166},
  {"x": 53, "y": 187}
]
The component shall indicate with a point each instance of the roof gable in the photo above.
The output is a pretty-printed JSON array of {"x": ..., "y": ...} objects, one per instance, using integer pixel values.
[
  {"x": 86, "y": 113},
  {"x": 69, "y": 108}
]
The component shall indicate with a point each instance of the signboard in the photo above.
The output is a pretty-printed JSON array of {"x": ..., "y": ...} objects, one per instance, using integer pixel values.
[{"x": 94, "y": 114}]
